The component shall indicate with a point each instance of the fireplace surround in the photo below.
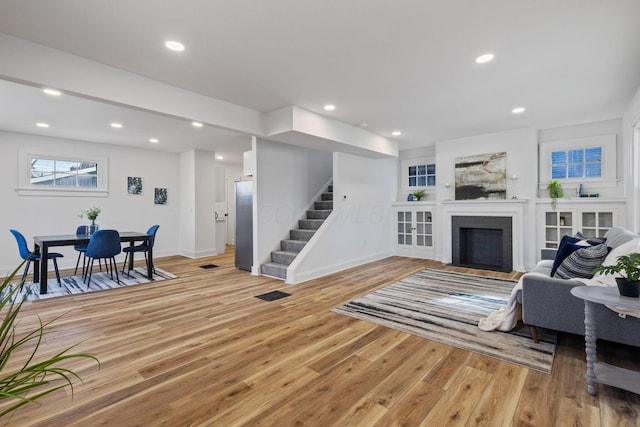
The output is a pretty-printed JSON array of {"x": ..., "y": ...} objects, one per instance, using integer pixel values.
[
  {"x": 484, "y": 242},
  {"x": 513, "y": 209}
]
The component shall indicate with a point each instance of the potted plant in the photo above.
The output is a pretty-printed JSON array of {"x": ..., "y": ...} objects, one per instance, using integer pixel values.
[
  {"x": 628, "y": 268},
  {"x": 25, "y": 375},
  {"x": 418, "y": 194},
  {"x": 555, "y": 192},
  {"x": 91, "y": 214}
]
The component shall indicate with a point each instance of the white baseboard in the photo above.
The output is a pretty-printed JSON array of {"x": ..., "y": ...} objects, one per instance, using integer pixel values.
[
  {"x": 330, "y": 269},
  {"x": 199, "y": 254}
]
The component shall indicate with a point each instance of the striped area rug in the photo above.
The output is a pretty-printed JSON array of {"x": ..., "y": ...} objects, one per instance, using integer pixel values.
[
  {"x": 100, "y": 281},
  {"x": 445, "y": 306}
]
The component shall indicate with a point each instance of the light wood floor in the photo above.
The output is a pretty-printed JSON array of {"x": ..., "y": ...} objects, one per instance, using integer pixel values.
[{"x": 201, "y": 350}]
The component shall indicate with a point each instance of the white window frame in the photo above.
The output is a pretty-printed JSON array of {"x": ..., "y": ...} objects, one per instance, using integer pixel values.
[
  {"x": 25, "y": 188},
  {"x": 608, "y": 179},
  {"x": 404, "y": 175}
]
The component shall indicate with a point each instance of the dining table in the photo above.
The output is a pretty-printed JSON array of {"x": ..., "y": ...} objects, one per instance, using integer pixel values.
[{"x": 43, "y": 243}]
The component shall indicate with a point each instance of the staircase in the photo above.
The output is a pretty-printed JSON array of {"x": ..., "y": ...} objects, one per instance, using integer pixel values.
[{"x": 299, "y": 237}]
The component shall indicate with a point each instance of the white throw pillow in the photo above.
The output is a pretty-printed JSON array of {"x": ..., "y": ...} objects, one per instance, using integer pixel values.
[
  {"x": 618, "y": 236},
  {"x": 624, "y": 249}
]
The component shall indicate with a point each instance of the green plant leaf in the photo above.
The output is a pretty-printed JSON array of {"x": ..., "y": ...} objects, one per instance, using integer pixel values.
[
  {"x": 627, "y": 266},
  {"x": 32, "y": 379}
]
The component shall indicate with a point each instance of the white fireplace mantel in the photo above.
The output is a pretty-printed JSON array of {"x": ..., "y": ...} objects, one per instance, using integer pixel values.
[{"x": 513, "y": 208}]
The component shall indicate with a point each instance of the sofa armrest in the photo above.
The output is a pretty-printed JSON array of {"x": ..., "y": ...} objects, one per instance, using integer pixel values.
[
  {"x": 548, "y": 253},
  {"x": 547, "y": 302}
]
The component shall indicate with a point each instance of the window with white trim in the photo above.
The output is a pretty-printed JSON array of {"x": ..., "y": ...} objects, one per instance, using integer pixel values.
[
  {"x": 590, "y": 161},
  {"x": 60, "y": 174},
  {"x": 422, "y": 175}
]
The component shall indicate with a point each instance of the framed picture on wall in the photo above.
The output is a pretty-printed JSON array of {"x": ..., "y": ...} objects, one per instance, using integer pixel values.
[
  {"x": 160, "y": 196},
  {"x": 134, "y": 185},
  {"x": 481, "y": 176}
]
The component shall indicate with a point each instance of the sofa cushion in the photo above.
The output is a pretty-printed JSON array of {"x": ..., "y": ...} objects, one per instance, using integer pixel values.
[
  {"x": 583, "y": 262},
  {"x": 617, "y": 236},
  {"x": 568, "y": 245},
  {"x": 544, "y": 267}
]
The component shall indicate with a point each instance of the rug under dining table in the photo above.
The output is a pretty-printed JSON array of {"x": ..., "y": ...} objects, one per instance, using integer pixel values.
[{"x": 100, "y": 280}]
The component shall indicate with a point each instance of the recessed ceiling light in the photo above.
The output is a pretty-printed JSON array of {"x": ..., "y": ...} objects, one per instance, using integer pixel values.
[
  {"x": 329, "y": 107},
  {"x": 42, "y": 125},
  {"x": 396, "y": 133},
  {"x": 154, "y": 140},
  {"x": 52, "y": 92},
  {"x": 174, "y": 46},
  {"x": 518, "y": 110},
  {"x": 116, "y": 125},
  {"x": 487, "y": 57},
  {"x": 197, "y": 124},
  {"x": 220, "y": 157}
]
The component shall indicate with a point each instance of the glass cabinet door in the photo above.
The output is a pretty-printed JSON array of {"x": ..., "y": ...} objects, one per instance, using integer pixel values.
[
  {"x": 596, "y": 224},
  {"x": 405, "y": 232},
  {"x": 557, "y": 224},
  {"x": 424, "y": 228},
  {"x": 413, "y": 231}
]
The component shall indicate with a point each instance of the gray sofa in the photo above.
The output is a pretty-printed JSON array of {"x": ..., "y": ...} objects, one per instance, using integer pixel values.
[{"x": 548, "y": 303}]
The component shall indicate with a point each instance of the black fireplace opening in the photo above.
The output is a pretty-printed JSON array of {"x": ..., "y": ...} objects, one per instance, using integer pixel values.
[{"x": 482, "y": 242}]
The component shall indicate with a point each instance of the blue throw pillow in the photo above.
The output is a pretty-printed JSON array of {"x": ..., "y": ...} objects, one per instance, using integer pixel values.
[
  {"x": 593, "y": 241},
  {"x": 567, "y": 247}
]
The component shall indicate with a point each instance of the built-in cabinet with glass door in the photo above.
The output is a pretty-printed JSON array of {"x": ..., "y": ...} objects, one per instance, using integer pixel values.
[
  {"x": 592, "y": 220},
  {"x": 413, "y": 229}
]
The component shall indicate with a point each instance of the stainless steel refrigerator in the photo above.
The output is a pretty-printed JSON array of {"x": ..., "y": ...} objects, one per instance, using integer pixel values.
[{"x": 244, "y": 225}]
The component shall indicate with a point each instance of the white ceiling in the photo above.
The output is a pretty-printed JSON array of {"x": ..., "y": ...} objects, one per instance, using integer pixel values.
[
  {"x": 406, "y": 64},
  {"x": 72, "y": 117}
]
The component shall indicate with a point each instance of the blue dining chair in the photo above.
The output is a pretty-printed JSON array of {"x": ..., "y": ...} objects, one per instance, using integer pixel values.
[
  {"x": 144, "y": 247},
  {"x": 29, "y": 256},
  {"x": 103, "y": 244},
  {"x": 81, "y": 249}
]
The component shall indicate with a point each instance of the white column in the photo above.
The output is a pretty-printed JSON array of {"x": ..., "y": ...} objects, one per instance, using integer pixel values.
[{"x": 197, "y": 204}]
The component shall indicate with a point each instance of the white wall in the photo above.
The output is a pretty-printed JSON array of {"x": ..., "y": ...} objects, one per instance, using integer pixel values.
[
  {"x": 359, "y": 228},
  {"x": 631, "y": 154},
  {"x": 585, "y": 130},
  {"x": 205, "y": 206},
  {"x": 41, "y": 215},
  {"x": 286, "y": 179},
  {"x": 415, "y": 153},
  {"x": 521, "y": 147},
  {"x": 197, "y": 204},
  {"x": 428, "y": 152},
  {"x": 294, "y": 125},
  {"x": 187, "y": 223}
]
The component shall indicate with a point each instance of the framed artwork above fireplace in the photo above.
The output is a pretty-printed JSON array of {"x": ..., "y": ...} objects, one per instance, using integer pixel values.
[{"x": 482, "y": 176}]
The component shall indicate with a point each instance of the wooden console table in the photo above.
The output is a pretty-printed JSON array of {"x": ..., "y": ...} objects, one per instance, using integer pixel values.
[{"x": 598, "y": 372}]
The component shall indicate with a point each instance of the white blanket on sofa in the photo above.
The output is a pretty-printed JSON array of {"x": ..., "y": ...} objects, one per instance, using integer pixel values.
[{"x": 506, "y": 318}]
